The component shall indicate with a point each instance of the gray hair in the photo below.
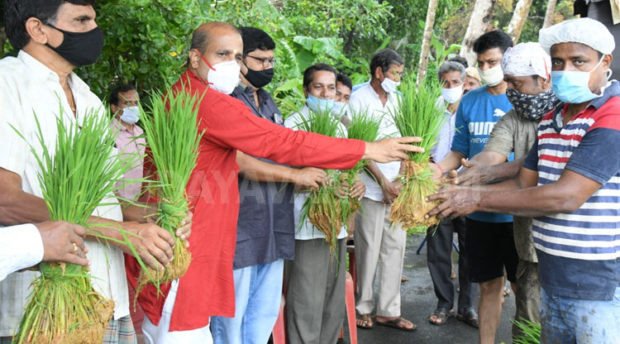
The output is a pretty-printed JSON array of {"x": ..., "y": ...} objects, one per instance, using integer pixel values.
[{"x": 451, "y": 66}]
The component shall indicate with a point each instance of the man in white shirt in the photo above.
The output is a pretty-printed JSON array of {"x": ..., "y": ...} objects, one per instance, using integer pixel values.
[
  {"x": 377, "y": 242},
  {"x": 315, "y": 311},
  {"x": 54, "y": 37},
  {"x": 27, "y": 245}
]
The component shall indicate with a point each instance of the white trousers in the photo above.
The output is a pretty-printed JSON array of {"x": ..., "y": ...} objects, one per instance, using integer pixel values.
[{"x": 160, "y": 334}]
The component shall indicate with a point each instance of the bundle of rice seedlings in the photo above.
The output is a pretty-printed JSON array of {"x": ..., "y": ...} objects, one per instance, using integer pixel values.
[
  {"x": 172, "y": 135},
  {"x": 63, "y": 306},
  {"x": 323, "y": 208},
  {"x": 530, "y": 332},
  {"x": 417, "y": 115},
  {"x": 363, "y": 127}
]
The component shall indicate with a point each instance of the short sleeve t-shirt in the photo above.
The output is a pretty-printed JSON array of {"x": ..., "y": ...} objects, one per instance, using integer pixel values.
[{"x": 475, "y": 118}]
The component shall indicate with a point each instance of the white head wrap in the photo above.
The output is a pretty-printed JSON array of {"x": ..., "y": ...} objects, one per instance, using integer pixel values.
[
  {"x": 526, "y": 59},
  {"x": 581, "y": 30}
]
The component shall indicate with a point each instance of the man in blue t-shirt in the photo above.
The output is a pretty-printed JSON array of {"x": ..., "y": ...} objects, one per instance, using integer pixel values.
[{"x": 489, "y": 239}]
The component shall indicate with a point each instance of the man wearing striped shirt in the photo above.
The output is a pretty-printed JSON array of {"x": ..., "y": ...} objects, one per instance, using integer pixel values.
[{"x": 570, "y": 183}]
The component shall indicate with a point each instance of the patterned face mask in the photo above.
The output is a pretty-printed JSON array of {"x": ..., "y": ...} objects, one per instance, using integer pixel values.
[{"x": 532, "y": 106}]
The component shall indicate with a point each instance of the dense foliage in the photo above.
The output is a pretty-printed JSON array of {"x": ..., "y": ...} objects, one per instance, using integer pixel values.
[{"x": 147, "y": 40}]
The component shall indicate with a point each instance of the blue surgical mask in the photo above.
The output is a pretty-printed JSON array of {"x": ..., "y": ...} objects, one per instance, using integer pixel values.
[
  {"x": 131, "y": 115},
  {"x": 572, "y": 86},
  {"x": 339, "y": 108},
  {"x": 319, "y": 104}
]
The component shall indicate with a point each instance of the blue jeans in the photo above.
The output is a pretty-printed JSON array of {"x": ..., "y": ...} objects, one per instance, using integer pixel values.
[
  {"x": 258, "y": 293},
  {"x": 566, "y": 320}
]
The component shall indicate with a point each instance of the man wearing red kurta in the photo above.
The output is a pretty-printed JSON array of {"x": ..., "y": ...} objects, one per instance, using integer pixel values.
[{"x": 207, "y": 289}]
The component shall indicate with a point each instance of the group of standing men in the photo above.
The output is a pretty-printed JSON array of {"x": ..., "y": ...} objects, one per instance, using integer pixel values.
[
  {"x": 246, "y": 200},
  {"x": 55, "y": 37}
]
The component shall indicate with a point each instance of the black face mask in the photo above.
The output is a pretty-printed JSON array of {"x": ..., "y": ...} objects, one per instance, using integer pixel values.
[
  {"x": 259, "y": 78},
  {"x": 532, "y": 106},
  {"x": 80, "y": 48}
]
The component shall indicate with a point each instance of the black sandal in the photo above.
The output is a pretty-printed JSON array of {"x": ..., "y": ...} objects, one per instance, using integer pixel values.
[{"x": 469, "y": 317}]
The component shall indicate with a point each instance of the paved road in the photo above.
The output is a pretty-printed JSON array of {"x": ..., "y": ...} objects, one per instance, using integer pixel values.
[{"x": 418, "y": 301}]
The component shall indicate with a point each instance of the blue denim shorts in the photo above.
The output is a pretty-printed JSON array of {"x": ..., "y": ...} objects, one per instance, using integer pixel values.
[{"x": 566, "y": 320}]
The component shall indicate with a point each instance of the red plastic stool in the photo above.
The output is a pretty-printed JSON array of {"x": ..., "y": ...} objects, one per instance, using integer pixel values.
[
  {"x": 350, "y": 304},
  {"x": 279, "y": 329}
]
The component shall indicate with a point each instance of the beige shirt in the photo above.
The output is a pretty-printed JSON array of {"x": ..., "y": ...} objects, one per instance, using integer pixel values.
[
  {"x": 28, "y": 89},
  {"x": 513, "y": 133}
]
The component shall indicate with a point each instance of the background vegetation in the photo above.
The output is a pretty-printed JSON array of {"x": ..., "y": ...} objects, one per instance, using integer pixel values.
[{"x": 147, "y": 40}]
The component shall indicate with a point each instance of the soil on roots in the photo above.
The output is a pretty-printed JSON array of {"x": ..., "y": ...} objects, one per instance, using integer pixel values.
[{"x": 410, "y": 207}]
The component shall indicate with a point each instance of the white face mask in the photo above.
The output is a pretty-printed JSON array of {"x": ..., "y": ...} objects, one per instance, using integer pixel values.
[
  {"x": 224, "y": 76},
  {"x": 389, "y": 85},
  {"x": 131, "y": 115},
  {"x": 492, "y": 76},
  {"x": 452, "y": 95}
]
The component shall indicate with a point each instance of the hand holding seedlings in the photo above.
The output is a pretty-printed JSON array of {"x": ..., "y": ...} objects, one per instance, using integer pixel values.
[
  {"x": 63, "y": 242},
  {"x": 310, "y": 177},
  {"x": 392, "y": 149},
  {"x": 185, "y": 230},
  {"x": 456, "y": 201},
  {"x": 153, "y": 243}
]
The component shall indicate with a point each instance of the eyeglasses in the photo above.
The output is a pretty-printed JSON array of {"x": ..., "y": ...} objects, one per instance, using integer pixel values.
[{"x": 265, "y": 61}]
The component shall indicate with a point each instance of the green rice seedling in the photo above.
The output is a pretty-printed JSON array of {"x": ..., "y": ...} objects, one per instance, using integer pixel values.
[
  {"x": 417, "y": 115},
  {"x": 323, "y": 208},
  {"x": 530, "y": 332},
  {"x": 78, "y": 171},
  {"x": 365, "y": 127},
  {"x": 172, "y": 134}
]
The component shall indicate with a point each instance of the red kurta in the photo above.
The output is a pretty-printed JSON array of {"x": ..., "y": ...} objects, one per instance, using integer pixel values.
[{"x": 207, "y": 289}]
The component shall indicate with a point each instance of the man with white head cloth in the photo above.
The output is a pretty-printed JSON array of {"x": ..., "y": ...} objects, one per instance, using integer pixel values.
[
  {"x": 527, "y": 71},
  {"x": 570, "y": 184}
]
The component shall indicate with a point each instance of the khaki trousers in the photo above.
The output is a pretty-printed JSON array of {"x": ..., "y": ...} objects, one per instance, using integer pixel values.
[{"x": 378, "y": 246}]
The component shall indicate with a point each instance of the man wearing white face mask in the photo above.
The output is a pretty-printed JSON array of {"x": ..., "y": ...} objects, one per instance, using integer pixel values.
[
  {"x": 489, "y": 238},
  {"x": 379, "y": 245},
  {"x": 207, "y": 289},
  {"x": 439, "y": 250}
]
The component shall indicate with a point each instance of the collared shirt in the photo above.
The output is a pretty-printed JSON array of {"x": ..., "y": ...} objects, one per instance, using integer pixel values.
[
  {"x": 579, "y": 251},
  {"x": 366, "y": 99},
  {"x": 516, "y": 134},
  {"x": 444, "y": 139},
  {"x": 207, "y": 288},
  {"x": 130, "y": 142},
  {"x": 265, "y": 232},
  {"x": 306, "y": 230},
  {"x": 22, "y": 247},
  {"x": 28, "y": 89}
]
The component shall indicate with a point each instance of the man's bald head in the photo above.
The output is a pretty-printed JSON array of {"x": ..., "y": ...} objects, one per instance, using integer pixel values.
[
  {"x": 214, "y": 43},
  {"x": 203, "y": 35}
]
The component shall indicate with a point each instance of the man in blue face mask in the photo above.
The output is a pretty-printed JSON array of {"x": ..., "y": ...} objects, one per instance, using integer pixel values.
[
  {"x": 124, "y": 106},
  {"x": 570, "y": 184},
  {"x": 315, "y": 311}
]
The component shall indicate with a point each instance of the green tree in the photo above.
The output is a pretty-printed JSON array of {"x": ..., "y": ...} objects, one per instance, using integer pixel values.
[{"x": 145, "y": 42}]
